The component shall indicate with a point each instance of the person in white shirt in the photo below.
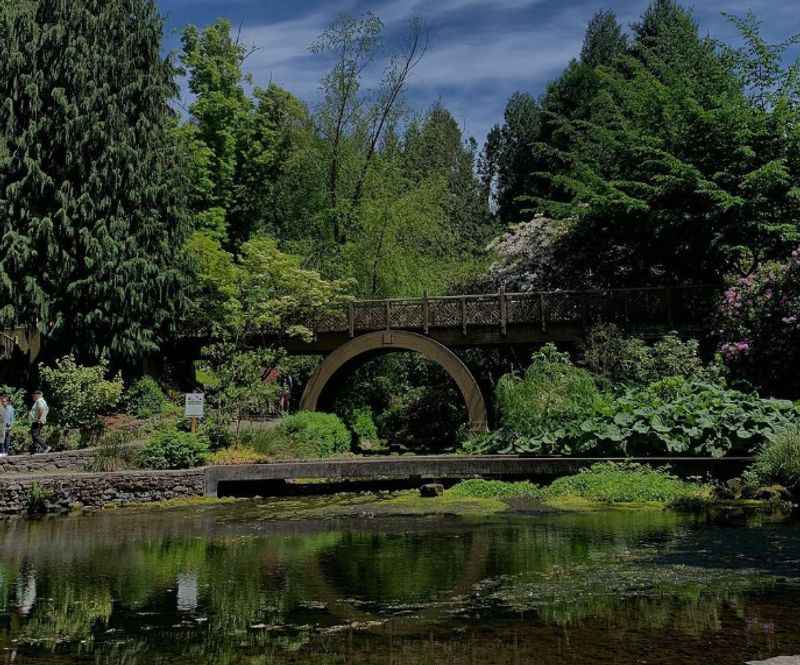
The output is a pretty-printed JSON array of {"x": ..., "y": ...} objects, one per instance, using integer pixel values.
[{"x": 38, "y": 416}]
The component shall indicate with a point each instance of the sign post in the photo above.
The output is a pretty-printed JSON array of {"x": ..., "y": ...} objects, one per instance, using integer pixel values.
[{"x": 194, "y": 407}]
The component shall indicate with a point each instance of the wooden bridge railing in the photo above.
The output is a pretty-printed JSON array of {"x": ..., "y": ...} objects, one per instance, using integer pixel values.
[{"x": 643, "y": 308}]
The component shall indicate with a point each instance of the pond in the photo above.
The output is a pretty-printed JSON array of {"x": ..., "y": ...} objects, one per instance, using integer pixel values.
[{"x": 228, "y": 584}]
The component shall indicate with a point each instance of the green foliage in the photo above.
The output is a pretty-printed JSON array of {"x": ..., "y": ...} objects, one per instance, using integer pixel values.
[
  {"x": 490, "y": 489},
  {"x": 78, "y": 394},
  {"x": 551, "y": 391},
  {"x": 674, "y": 156},
  {"x": 113, "y": 452},
  {"x": 628, "y": 360},
  {"x": 363, "y": 424},
  {"x": 610, "y": 482},
  {"x": 240, "y": 390},
  {"x": 508, "y": 163},
  {"x": 92, "y": 215},
  {"x": 304, "y": 435},
  {"x": 240, "y": 150},
  {"x": 37, "y": 499},
  {"x": 216, "y": 428},
  {"x": 556, "y": 409},
  {"x": 606, "y": 482},
  {"x": 778, "y": 461},
  {"x": 325, "y": 431},
  {"x": 604, "y": 41},
  {"x": 261, "y": 290},
  {"x": 144, "y": 398},
  {"x": 172, "y": 449}
]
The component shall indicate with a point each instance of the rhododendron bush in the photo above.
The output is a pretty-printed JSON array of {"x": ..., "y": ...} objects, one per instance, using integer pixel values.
[
  {"x": 760, "y": 327},
  {"x": 530, "y": 256}
]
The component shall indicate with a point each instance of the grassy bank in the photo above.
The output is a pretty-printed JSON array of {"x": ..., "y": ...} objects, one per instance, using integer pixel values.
[{"x": 606, "y": 483}]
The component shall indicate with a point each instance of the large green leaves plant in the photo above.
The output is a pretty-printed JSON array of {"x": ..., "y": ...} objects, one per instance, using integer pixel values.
[{"x": 555, "y": 409}]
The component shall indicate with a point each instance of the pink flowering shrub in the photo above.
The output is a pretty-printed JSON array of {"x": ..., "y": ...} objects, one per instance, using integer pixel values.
[{"x": 760, "y": 327}]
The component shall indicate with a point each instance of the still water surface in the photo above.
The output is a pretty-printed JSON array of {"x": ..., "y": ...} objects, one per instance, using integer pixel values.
[{"x": 225, "y": 585}]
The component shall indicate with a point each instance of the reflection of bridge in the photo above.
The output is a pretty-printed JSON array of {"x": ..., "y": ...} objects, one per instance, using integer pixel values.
[{"x": 355, "y": 331}]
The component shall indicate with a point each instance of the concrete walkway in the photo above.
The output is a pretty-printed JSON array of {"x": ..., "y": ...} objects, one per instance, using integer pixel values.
[{"x": 451, "y": 467}]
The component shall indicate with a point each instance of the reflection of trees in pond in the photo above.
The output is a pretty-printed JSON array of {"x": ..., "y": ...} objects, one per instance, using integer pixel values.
[
  {"x": 236, "y": 582},
  {"x": 183, "y": 599},
  {"x": 366, "y": 564},
  {"x": 398, "y": 568}
]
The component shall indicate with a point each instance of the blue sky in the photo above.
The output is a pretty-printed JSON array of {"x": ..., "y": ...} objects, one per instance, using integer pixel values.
[{"x": 481, "y": 51}]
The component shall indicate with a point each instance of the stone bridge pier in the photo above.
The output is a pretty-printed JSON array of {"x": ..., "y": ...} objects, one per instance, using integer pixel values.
[{"x": 358, "y": 349}]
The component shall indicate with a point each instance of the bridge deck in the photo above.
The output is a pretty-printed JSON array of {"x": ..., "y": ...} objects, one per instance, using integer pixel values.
[
  {"x": 451, "y": 467},
  {"x": 509, "y": 318}
]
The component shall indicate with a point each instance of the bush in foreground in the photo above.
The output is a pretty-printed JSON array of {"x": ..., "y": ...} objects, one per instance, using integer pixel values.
[
  {"x": 556, "y": 408},
  {"x": 236, "y": 455},
  {"x": 304, "y": 435},
  {"x": 550, "y": 391},
  {"x": 604, "y": 483},
  {"x": 80, "y": 394},
  {"x": 324, "y": 432},
  {"x": 172, "y": 449},
  {"x": 610, "y": 482},
  {"x": 778, "y": 462},
  {"x": 144, "y": 398},
  {"x": 491, "y": 489}
]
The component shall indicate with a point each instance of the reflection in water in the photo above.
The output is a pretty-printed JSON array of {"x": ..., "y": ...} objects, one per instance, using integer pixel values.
[{"x": 215, "y": 585}]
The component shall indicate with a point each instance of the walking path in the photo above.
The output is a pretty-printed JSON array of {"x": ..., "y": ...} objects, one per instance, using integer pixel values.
[{"x": 450, "y": 467}]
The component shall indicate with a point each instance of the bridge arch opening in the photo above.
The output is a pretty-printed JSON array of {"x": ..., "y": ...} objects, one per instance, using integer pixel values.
[{"x": 364, "y": 347}]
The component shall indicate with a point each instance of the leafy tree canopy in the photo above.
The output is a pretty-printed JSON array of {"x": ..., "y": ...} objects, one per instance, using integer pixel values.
[{"x": 676, "y": 158}]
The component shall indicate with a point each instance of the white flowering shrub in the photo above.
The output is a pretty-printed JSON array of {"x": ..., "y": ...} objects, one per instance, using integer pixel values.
[{"x": 526, "y": 256}]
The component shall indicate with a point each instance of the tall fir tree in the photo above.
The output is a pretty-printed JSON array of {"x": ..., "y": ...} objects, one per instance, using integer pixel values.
[
  {"x": 436, "y": 146},
  {"x": 671, "y": 174},
  {"x": 509, "y": 160},
  {"x": 242, "y": 148},
  {"x": 91, "y": 201},
  {"x": 604, "y": 41}
]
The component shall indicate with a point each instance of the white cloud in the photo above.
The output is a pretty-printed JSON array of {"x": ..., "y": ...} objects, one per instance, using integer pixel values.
[
  {"x": 523, "y": 55},
  {"x": 470, "y": 71},
  {"x": 398, "y": 10},
  {"x": 282, "y": 53}
]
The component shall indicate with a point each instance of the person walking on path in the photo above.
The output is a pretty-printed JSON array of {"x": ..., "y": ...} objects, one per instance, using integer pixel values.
[
  {"x": 7, "y": 412},
  {"x": 38, "y": 415}
]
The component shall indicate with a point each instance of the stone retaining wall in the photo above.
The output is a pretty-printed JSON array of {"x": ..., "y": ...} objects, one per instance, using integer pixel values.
[
  {"x": 68, "y": 460},
  {"x": 74, "y": 491}
]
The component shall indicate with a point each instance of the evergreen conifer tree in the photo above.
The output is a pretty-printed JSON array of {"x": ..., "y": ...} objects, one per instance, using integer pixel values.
[
  {"x": 91, "y": 203},
  {"x": 604, "y": 40}
]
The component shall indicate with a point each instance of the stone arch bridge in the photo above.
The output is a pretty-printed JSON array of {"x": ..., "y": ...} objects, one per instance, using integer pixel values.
[{"x": 351, "y": 333}]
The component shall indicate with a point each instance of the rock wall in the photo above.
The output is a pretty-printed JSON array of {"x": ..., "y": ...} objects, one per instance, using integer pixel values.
[
  {"x": 54, "y": 493},
  {"x": 68, "y": 460}
]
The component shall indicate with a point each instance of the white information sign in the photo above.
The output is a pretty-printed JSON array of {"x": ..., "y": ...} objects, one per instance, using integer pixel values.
[{"x": 195, "y": 402}]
